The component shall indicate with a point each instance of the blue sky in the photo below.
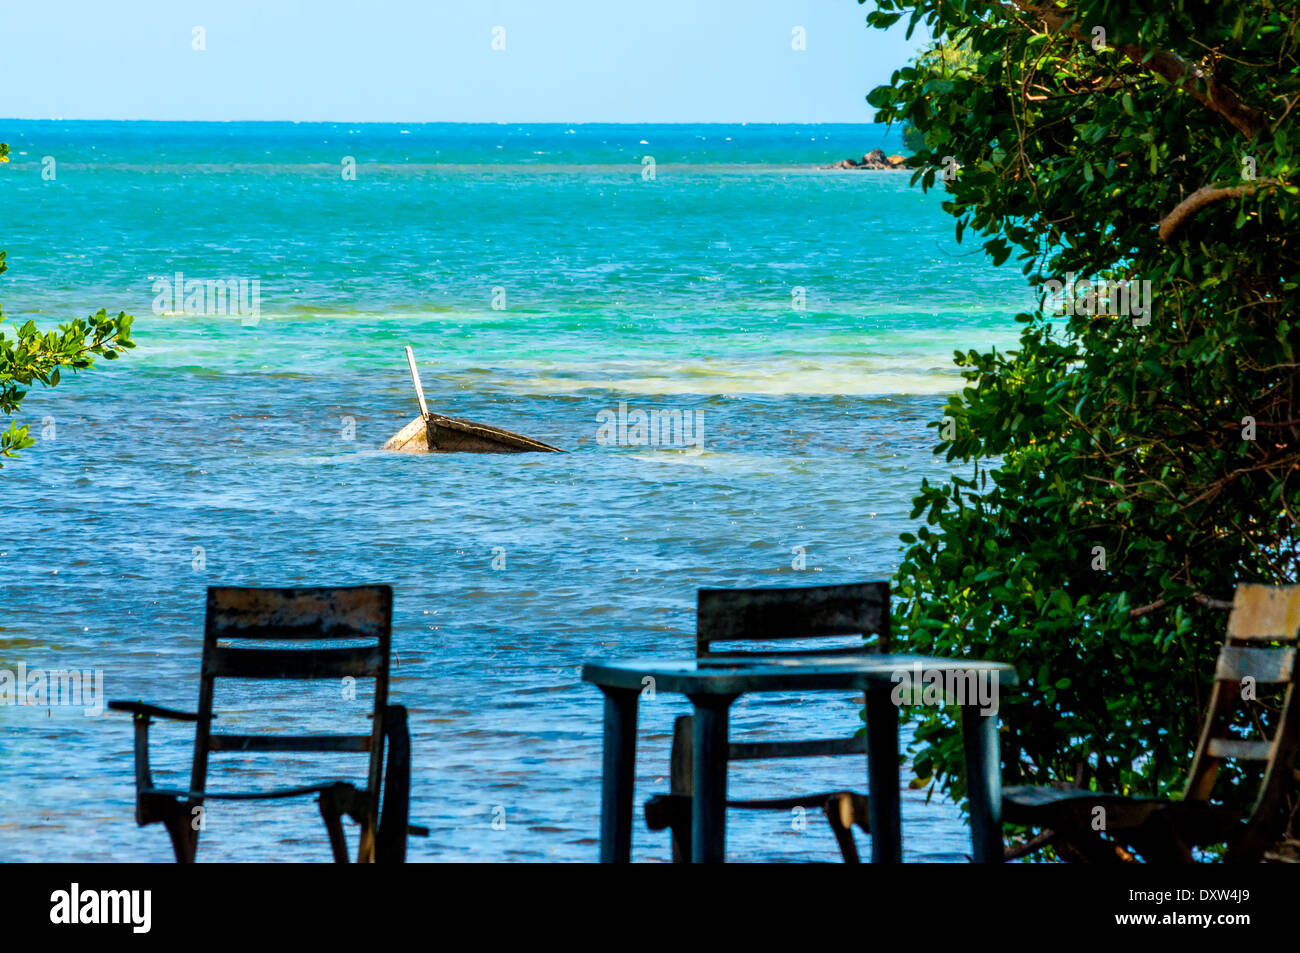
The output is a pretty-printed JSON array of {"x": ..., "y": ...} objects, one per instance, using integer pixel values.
[{"x": 411, "y": 61}]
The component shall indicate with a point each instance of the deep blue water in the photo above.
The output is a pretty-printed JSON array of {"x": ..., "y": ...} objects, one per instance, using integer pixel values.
[{"x": 254, "y": 444}]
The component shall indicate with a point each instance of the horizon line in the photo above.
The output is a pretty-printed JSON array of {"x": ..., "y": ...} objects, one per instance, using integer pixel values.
[{"x": 468, "y": 122}]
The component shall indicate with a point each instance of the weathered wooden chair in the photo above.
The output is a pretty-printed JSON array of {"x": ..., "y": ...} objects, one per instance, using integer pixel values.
[
  {"x": 1093, "y": 827},
  {"x": 361, "y": 614},
  {"x": 767, "y": 615}
]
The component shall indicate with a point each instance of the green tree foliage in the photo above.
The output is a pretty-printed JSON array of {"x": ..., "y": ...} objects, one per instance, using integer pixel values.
[
  {"x": 28, "y": 354},
  {"x": 941, "y": 62},
  {"x": 1118, "y": 474}
]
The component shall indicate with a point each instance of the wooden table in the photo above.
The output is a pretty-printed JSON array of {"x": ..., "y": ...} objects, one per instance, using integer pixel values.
[{"x": 712, "y": 685}]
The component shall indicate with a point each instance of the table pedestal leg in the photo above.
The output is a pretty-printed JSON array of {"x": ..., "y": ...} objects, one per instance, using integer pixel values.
[
  {"x": 619, "y": 775},
  {"x": 883, "y": 800},
  {"x": 709, "y": 806},
  {"x": 979, "y": 735}
]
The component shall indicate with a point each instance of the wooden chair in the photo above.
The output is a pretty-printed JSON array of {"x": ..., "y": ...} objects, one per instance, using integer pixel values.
[
  {"x": 361, "y": 614},
  {"x": 767, "y": 615},
  {"x": 1262, "y": 633}
]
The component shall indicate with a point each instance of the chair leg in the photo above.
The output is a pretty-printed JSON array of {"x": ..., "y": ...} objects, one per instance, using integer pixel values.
[
  {"x": 1082, "y": 844},
  {"x": 679, "y": 822},
  {"x": 682, "y": 784},
  {"x": 1158, "y": 842},
  {"x": 366, "y": 843},
  {"x": 839, "y": 813},
  {"x": 329, "y": 812},
  {"x": 672, "y": 812},
  {"x": 184, "y": 836},
  {"x": 843, "y": 810}
]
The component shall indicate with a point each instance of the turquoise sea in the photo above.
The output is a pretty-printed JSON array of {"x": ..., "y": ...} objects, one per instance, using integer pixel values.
[{"x": 808, "y": 316}]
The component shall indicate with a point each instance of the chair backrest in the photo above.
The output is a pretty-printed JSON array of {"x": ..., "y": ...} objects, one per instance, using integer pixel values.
[
  {"x": 803, "y": 612},
  {"x": 779, "y": 614},
  {"x": 357, "y": 614},
  {"x": 1260, "y": 650}
]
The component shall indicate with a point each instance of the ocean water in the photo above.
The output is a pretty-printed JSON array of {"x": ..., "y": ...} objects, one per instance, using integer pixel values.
[{"x": 806, "y": 318}]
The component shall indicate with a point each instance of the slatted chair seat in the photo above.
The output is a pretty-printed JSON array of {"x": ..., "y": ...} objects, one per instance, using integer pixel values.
[
  {"x": 1027, "y": 800},
  {"x": 270, "y": 616},
  {"x": 248, "y": 795},
  {"x": 1194, "y": 823},
  {"x": 1098, "y": 827},
  {"x": 769, "y": 615}
]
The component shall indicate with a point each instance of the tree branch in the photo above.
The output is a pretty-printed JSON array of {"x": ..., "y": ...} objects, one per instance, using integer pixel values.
[
  {"x": 1199, "y": 597},
  {"x": 1207, "y": 195},
  {"x": 1219, "y": 98}
]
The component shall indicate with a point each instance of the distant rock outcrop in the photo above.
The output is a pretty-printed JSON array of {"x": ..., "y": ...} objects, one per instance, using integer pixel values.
[{"x": 875, "y": 159}]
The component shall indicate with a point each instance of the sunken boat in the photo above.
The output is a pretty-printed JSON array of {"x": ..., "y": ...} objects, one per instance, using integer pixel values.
[{"x": 436, "y": 433}]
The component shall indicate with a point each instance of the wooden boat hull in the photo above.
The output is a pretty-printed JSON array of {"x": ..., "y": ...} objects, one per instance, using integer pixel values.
[{"x": 434, "y": 433}]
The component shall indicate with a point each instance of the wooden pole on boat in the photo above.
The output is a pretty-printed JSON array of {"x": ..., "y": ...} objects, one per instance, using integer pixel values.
[{"x": 415, "y": 377}]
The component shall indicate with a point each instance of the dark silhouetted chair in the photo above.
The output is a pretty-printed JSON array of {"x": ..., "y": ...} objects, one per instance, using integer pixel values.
[
  {"x": 766, "y": 616},
  {"x": 269, "y": 618},
  {"x": 1104, "y": 828}
]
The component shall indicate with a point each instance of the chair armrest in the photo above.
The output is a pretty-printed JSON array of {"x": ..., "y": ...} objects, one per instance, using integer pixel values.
[
  {"x": 140, "y": 709},
  {"x": 149, "y": 806}
]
